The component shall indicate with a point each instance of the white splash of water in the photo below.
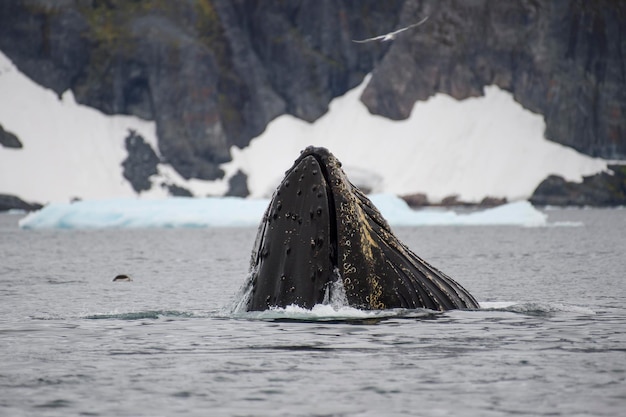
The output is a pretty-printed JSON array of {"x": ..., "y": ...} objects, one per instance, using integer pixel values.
[
  {"x": 337, "y": 297},
  {"x": 327, "y": 312},
  {"x": 533, "y": 308}
]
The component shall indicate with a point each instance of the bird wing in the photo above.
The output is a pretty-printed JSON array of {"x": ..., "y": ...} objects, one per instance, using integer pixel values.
[
  {"x": 409, "y": 27},
  {"x": 391, "y": 35},
  {"x": 376, "y": 38}
]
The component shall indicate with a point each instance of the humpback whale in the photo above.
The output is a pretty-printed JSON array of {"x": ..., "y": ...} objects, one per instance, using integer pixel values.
[{"x": 320, "y": 234}]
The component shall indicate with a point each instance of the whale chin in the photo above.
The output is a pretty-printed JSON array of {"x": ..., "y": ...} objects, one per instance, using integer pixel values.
[{"x": 321, "y": 234}]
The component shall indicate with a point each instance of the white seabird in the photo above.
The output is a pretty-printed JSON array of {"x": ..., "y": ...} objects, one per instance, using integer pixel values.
[{"x": 391, "y": 35}]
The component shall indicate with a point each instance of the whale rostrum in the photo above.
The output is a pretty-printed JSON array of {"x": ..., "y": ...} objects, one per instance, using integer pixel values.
[{"x": 321, "y": 234}]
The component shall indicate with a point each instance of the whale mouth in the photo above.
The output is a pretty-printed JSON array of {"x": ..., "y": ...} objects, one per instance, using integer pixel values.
[
  {"x": 296, "y": 248},
  {"x": 331, "y": 208},
  {"x": 313, "y": 176}
]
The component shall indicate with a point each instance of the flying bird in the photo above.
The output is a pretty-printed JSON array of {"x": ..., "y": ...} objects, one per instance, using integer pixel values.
[{"x": 391, "y": 35}]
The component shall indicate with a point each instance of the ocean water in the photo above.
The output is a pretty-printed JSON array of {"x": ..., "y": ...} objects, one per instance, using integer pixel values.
[{"x": 549, "y": 340}]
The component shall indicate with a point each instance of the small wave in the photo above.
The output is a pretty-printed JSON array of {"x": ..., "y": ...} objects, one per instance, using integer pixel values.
[
  {"x": 141, "y": 315},
  {"x": 535, "y": 309},
  {"x": 566, "y": 224},
  {"x": 55, "y": 404},
  {"x": 330, "y": 313}
]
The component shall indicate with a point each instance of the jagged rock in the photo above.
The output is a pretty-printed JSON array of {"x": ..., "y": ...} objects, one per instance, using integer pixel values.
[
  {"x": 238, "y": 185},
  {"x": 177, "y": 191},
  {"x": 451, "y": 201},
  {"x": 9, "y": 140},
  {"x": 11, "y": 202},
  {"x": 488, "y": 202},
  {"x": 141, "y": 162},
  {"x": 603, "y": 189}
]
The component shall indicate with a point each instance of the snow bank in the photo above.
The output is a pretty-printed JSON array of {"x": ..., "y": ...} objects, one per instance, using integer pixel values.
[
  {"x": 70, "y": 150},
  {"x": 236, "y": 212},
  {"x": 478, "y": 147},
  {"x": 484, "y": 146}
]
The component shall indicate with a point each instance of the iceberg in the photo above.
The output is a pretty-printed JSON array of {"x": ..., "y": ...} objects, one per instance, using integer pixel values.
[{"x": 184, "y": 212}]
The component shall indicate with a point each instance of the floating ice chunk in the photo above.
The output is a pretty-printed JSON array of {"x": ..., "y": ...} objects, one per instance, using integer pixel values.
[
  {"x": 238, "y": 212},
  {"x": 398, "y": 213},
  {"x": 136, "y": 213}
]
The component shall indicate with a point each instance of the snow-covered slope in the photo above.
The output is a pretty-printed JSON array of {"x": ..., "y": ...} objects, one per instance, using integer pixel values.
[
  {"x": 70, "y": 150},
  {"x": 486, "y": 146}
]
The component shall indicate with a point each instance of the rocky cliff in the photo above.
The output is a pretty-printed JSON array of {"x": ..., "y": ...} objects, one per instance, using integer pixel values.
[
  {"x": 212, "y": 74},
  {"x": 563, "y": 59}
]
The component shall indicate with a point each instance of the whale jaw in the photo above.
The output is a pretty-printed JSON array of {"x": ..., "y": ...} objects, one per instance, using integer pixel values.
[{"x": 293, "y": 259}]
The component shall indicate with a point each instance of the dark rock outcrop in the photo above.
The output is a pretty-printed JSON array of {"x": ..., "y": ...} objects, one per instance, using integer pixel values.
[
  {"x": 488, "y": 202},
  {"x": 238, "y": 185},
  {"x": 9, "y": 140},
  {"x": 141, "y": 162},
  {"x": 11, "y": 202},
  {"x": 416, "y": 200},
  {"x": 603, "y": 189},
  {"x": 421, "y": 200},
  {"x": 177, "y": 191}
]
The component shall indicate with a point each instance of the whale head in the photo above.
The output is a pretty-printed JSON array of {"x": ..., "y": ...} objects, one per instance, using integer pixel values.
[{"x": 320, "y": 234}]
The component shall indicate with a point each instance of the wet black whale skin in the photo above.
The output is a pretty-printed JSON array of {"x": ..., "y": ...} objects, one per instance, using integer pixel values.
[{"x": 319, "y": 226}]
